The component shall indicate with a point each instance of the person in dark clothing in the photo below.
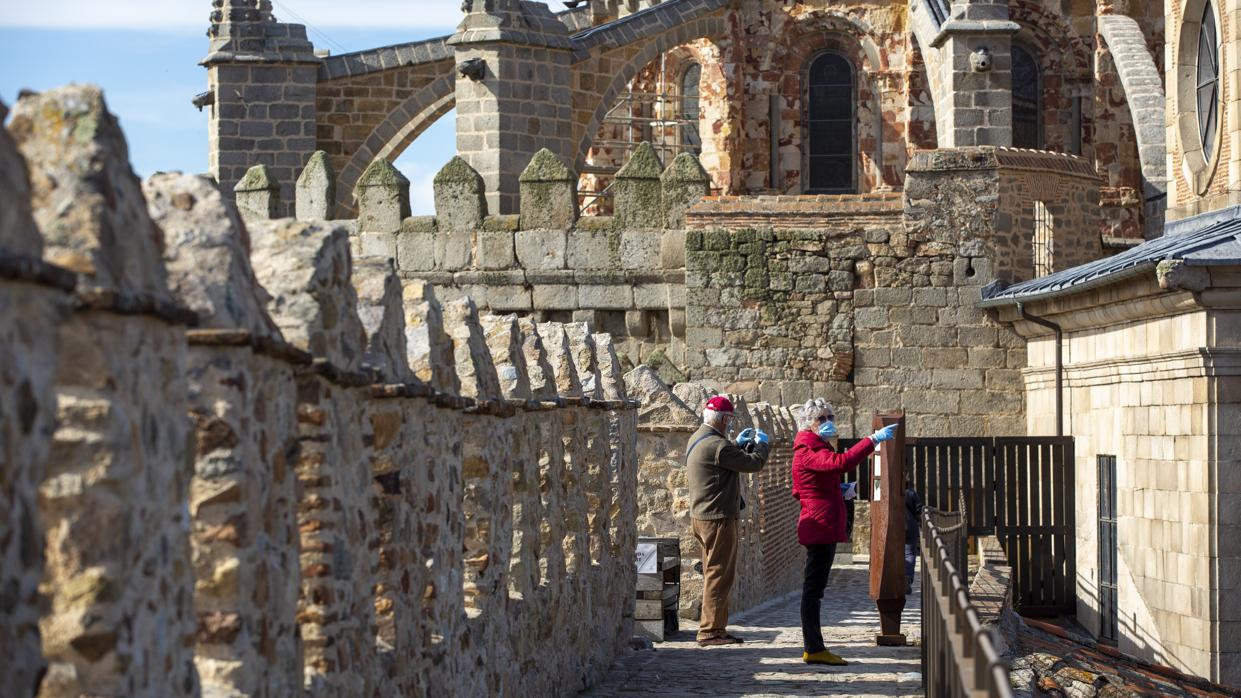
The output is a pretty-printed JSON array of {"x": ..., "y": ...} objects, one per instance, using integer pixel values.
[
  {"x": 714, "y": 466},
  {"x": 913, "y": 524},
  {"x": 817, "y": 468}
]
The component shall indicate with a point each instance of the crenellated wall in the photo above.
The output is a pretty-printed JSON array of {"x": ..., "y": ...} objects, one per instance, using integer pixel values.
[
  {"x": 244, "y": 464},
  {"x": 867, "y": 299}
]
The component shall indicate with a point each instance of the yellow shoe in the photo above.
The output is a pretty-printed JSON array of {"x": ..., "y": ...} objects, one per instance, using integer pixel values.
[{"x": 824, "y": 657}]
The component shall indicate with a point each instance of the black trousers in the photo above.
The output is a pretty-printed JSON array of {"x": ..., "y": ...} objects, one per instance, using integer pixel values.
[{"x": 818, "y": 565}]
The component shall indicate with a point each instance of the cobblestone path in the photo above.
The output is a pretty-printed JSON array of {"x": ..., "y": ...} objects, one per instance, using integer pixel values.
[{"x": 769, "y": 663}]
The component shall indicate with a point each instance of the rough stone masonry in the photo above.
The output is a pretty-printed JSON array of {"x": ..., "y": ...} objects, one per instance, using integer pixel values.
[{"x": 238, "y": 462}]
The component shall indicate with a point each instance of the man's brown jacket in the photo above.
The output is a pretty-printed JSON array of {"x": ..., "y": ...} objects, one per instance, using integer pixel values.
[{"x": 715, "y": 465}]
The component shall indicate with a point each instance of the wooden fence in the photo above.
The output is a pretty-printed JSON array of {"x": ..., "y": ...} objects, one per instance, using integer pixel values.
[{"x": 1020, "y": 489}]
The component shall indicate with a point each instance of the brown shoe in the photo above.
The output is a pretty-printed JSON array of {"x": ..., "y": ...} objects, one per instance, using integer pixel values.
[{"x": 719, "y": 640}]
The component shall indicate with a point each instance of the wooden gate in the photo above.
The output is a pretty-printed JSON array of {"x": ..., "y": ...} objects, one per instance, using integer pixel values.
[{"x": 1019, "y": 489}]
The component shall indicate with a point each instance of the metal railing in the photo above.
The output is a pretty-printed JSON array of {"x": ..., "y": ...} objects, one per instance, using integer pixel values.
[{"x": 958, "y": 654}]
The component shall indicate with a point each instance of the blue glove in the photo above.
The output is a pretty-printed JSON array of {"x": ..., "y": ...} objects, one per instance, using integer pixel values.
[
  {"x": 827, "y": 432},
  {"x": 745, "y": 437},
  {"x": 885, "y": 434},
  {"x": 762, "y": 436}
]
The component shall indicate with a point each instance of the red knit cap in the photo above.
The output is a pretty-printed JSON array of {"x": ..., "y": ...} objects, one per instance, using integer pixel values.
[{"x": 719, "y": 403}]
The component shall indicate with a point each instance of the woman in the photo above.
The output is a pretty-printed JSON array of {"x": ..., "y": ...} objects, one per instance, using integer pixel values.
[{"x": 817, "y": 468}]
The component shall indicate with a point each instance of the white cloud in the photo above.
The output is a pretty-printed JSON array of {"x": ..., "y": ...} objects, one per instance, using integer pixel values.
[{"x": 170, "y": 14}]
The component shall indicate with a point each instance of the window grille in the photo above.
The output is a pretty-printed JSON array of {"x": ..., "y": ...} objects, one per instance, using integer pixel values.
[
  {"x": 1108, "y": 602},
  {"x": 1027, "y": 92},
  {"x": 1044, "y": 239},
  {"x": 830, "y": 126},
  {"x": 690, "y": 111},
  {"x": 1208, "y": 80}
]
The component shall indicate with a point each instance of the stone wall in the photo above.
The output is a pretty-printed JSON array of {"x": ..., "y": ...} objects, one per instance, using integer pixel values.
[
  {"x": 867, "y": 300},
  {"x": 870, "y": 303},
  {"x": 236, "y": 471},
  {"x": 1146, "y": 381}
]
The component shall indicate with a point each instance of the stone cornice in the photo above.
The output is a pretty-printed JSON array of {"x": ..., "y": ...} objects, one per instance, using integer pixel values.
[
  {"x": 970, "y": 27},
  {"x": 1140, "y": 299},
  {"x": 1192, "y": 363}
]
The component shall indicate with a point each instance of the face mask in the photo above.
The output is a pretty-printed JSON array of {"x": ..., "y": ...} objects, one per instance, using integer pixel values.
[{"x": 827, "y": 431}]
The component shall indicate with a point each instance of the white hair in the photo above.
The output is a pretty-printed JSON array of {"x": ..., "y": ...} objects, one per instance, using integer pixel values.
[
  {"x": 712, "y": 418},
  {"x": 809, "y": 413}
]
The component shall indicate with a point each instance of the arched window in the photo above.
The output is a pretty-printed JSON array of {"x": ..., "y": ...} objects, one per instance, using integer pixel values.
[
  {"x": 1208, "y": 80},
  {"x": 1027, "y": 126},
  {"x": 830, "y": 126},
  {"x": 690, "y": 112}
]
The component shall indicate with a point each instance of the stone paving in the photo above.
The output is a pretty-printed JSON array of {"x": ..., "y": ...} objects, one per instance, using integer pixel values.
[{"x": 769, "y": 663}]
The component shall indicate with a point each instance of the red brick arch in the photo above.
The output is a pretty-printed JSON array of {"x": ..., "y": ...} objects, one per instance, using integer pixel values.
[{"x": 814, "y": 34}]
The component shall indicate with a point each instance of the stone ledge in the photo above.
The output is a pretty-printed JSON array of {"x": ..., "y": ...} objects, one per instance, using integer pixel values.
[{"x": 995, "y": 158}]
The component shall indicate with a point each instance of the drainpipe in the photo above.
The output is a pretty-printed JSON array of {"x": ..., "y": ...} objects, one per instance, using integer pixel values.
[{"x": 1059, "y": 362}]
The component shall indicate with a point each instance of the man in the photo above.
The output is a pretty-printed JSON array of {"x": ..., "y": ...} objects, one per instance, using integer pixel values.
[{"x": 715, "y": 465}]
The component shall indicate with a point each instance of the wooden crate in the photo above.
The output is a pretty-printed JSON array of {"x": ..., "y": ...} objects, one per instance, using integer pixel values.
[{"x": 658, "y": 590}]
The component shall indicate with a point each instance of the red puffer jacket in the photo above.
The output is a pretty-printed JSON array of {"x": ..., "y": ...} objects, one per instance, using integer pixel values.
[{"x": 816, "y": 482}]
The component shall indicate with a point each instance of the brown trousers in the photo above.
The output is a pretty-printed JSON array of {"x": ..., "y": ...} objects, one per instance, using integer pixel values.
[{"x": 718, "y": 539}]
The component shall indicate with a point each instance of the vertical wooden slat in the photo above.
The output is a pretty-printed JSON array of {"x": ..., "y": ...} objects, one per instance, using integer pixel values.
[
  {"x": 1069, "y": 535},
  {"x": 1047, "y": 552}
]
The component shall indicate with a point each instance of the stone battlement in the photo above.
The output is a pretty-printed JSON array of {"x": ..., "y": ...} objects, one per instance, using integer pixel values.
[{"x": 248, "y": 463}]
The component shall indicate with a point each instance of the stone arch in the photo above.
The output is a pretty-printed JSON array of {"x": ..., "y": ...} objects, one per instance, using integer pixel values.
[
  {"x": 616, "y": 78},
  {"x": 814, "y": 34},
  {"x": 1144, "y": 98},
  {"x": 394, "y": 134}
]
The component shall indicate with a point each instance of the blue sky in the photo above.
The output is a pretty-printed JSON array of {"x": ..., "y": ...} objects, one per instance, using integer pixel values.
[{"x": 146, "y": 60}]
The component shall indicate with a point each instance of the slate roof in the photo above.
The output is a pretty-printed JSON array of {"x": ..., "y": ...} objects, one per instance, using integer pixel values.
[{"x": 1211, "y": 239}]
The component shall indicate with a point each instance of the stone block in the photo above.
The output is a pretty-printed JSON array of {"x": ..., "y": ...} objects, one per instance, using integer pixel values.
[
  {"x": 684, "y": 183},
  {"x": 415, "y": 251},
  {"x": 460, "y": 196},
  {"x": 640, "y": 249},
  {"x": 541, "y": 249},
  {"x": 90, "y": 209},
  {"x": 703, "y": 337},
  {"x": 638, "y": 200},
  {"x": 305, "y": 268},
  {"x": 316, "y": 189},
  {"x": 591, "y": 249},
  {"x": 870, "y": 318},
  {"x": 548, "y": 193},
  {"x": 672, "y": 249},
  {"x": 651, "y": 296},
  {"x": 382, "y": 195},
  {"x": 257, "y": 195},
  {"x": 205, "y": 252},
  {"x": 555, "y": 297},
  {"x": 453, "y": 250},
  {"x": 377, "y": 245},
  {"x": 503, "y": 299},
  {"x": 381, "y": 312},
  {"x": 605, "y": 296},
  {"x": 495, "y": 250}
]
